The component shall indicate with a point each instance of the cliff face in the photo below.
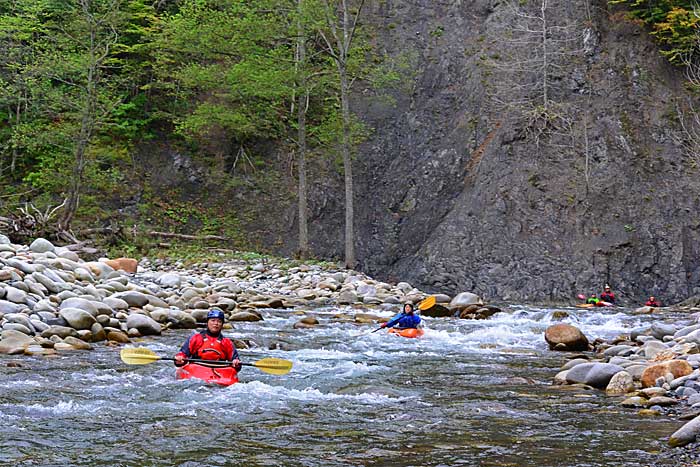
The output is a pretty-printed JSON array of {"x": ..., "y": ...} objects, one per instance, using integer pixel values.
[
  {"x": 458, "y": 196},
  {"x": 458, "y": 191}
]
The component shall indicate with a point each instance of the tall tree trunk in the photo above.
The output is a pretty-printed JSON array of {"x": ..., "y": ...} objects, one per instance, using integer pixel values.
[
  {"x": 301, "y": 123},
  {"x": 87, "y": 123},
  {"x": 545, "y": 57},
  {"x": 339, "y": 53},
  {"x": 347, "y": 167},
  {"x": 15, "y": 151}
]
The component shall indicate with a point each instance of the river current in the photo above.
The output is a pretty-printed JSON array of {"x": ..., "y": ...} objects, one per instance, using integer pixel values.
[{"x": 469, "y": 393}]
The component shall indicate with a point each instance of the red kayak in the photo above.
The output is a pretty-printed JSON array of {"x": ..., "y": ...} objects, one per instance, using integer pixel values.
[
  {"x": 221, "y": 375},
  {"x": 593, "y": 305},
  {"x": 408, "y": 332}
]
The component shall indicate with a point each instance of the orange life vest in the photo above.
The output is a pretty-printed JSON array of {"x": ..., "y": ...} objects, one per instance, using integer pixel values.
[{"x": 211, "y": 349}]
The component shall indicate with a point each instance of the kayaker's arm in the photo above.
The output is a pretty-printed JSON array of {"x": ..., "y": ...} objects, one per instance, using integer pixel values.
[
  {"x": 392, "y": 322},
  {"x": 185, "y": 353}
]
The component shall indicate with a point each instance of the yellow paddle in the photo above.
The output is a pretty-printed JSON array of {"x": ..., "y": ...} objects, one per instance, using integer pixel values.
[
  {"x": 144, "y": 356},
  {"x": 424, "y": 304},
  {"x": 427, "y": 304}
]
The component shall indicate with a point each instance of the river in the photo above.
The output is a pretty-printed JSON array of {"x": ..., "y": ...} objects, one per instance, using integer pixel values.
[{"x": 469, "y": 393}]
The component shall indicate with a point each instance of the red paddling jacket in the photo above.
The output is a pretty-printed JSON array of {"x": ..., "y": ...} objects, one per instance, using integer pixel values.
[
  {"x": 205, "y": 346},
  {"x": 608, "y": 297}
]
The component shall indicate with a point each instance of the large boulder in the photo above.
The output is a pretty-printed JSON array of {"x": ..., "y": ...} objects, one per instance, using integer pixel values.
[
  {"x": 77, "y": 318},
  {"x": 9, "y": 307},
  {"x": 129, "y": 265},
  {"x": 464, "y": 299},
  {"x": 41, "y": 245},
  {"x": 133, "y": 298},
  {"x": 677, "y": 368},
  {"x": 660, "y": 330},
  {"x": 347, "y": 297},
  {"x": 478, "y": 312},
  {"x": 437, "y": 311},
  {"x": 81, "y": 304},
  {"x": 597, "y": 375},
  {"x": 60, "y": 331},
  {"x": 14, "y": 342},
  {"x": 145, "y": 325},
  {"x": 170, "y": 279},
  {"x": 565, "y": 337},
  {"x": 245, "y": 316},
  {"x": 620, "y": 383},
  {"x": 686, "y": 434}
]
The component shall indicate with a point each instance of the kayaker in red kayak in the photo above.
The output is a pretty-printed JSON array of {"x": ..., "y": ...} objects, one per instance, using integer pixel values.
[
  {"x": 209, "y": 344},
  {"x": 407, "y": 319},
  {"x": 607, "y": 295},
  {"x": 652, "y": 302}
]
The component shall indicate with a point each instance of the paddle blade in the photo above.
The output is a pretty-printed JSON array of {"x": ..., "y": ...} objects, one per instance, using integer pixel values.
[
  {"x": 581, "y": 296},
  {"x": 274, "y": 366},
  {"x": 427, "y": 303},
  {"x": 138, "y": 356}
]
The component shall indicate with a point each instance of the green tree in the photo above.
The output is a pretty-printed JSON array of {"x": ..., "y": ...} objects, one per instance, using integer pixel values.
[
  {"x": 674, "y": 23},
  {"x": 227, "y": 70}
]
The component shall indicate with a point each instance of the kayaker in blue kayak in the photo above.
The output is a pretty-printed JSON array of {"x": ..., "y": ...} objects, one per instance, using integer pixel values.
[
  {"x": 407, "y": 319},
  {"x": 209, "y": 344}
]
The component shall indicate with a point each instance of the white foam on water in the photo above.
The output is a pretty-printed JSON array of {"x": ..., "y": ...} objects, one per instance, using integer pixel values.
[
  {"x": 21, "y": 383},
  {"x": 321, "y": 354},
  {"x": 62, "y": 408},
  {"x": 262, "y": 391}
]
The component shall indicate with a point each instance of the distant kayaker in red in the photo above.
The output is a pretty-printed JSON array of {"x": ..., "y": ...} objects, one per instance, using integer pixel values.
[
  {"x": 607, "y": 295},
  {"x": 404, "y": 320},
  {"x": 652, "y": 302},
  {"x": 209, "y": 344}
]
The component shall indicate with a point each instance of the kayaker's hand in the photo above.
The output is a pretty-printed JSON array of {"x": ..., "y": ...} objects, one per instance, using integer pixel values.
[
  {"x": 236, "y": 364},
  {"x": 179, "y": 360},
  {"x": 383, "y": 325}
]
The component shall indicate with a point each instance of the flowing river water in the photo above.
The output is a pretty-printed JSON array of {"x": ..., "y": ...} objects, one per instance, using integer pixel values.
[{"x": 469, "y": 393}]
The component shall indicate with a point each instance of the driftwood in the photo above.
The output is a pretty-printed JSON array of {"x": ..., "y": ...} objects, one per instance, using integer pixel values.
[
  {"x": 153, "y": 233},
  {"x": 31, "y": 223}
]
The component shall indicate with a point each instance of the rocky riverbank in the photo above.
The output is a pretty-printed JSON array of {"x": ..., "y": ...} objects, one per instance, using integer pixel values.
[
  {"x": 654, "y": 370},
  {"x": 52, "y": 301}
]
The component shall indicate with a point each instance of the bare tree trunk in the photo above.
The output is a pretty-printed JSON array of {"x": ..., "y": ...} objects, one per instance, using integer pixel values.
[
  {"x": 302, "y": 99},
  {"x": 86, "y": 126},
  {"x": 545, "y": 57},
  {"x": 340, "y": 53},
  {"x": 15, "y": 152},
  {"x": 347, "y": 167}
]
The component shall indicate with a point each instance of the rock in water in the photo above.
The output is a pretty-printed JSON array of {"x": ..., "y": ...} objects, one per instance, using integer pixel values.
[
  {"x": 14, "y": 342},
  {"x": 597, "y": 375},
  {"x": 565, "y": 337},
  {"x": 686, "y": 434}
]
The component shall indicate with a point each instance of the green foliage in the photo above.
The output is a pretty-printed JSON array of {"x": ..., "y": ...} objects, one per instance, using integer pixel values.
[
  {"x": 227, "y": 60},
  {"x": 674, "y": 23},
  {"x": 212, "y": 76}
]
